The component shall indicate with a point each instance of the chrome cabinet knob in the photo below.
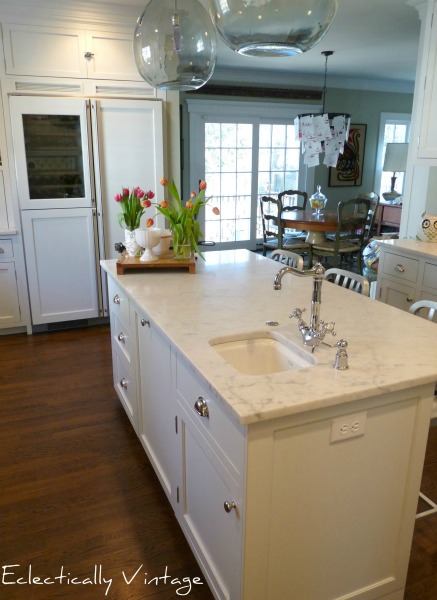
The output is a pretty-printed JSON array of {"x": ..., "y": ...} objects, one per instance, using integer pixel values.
[
  {"x": 144, "y": 322},
  {"x": 116, "y": 299},
  {"x": 123, "y": 383},
  {"x": 228, "y": 506},
  {"x": 201, "y": 407},
  {"x": 121, "y": 338},
  {"x": 1, "y": 250},
  {"x": 409, "y": 299},
  {"x": 88, "y": 54},
  {"x": 400, "y": 268}
]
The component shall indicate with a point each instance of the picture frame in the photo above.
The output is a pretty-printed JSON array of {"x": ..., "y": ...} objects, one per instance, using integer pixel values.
[{"x": 349, "y": 169}]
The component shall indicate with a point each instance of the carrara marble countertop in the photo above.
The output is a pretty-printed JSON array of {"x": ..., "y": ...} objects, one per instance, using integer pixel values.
[
  {"x": 426, "y": 249},
  {"x": 232, "y": 292}
]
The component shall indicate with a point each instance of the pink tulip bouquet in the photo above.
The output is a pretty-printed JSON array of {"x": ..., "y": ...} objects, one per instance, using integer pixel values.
[
  {"x": 133, "y": 204},
  {"x": 182, "y": 217}
]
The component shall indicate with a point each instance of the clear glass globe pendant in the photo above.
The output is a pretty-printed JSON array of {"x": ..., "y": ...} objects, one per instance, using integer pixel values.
[
  {"x": 175, "y": 45},
  {"x": 272, "y": 27}
]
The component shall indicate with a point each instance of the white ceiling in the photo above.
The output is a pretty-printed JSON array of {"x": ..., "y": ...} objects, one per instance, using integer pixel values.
[{"x": 375, "y": 44}]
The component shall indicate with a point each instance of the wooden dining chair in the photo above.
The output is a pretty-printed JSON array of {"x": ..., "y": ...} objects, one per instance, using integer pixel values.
[
  {"x": 428, "y": 310},
  {"x": 293, "y": 200},
  {"x": 371, "y": 215},
  {"x": 287, "y": 258},
  {"x": 273, "y": 235},
  {"x": 349, "y": 280},
  {"x": 348, "y": 240}
]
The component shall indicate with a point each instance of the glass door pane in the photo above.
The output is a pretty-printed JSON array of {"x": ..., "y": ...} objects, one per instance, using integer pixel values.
[
  {"x": 228, "y": 172},
  {"x": 54, "y": 161}
]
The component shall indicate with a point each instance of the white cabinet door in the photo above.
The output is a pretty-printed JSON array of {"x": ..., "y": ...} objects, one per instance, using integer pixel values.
[
  {"x": 396, "y": 294},
  {"x": 9, "y": 301},
  {"x": 61, "y": 264},
  {"x": 128, "y": 151},
  {"x": 112, "y": 56},
  {"x": 51, "y": 148},
  {"x": 215, "y": 535},
  {"x": 44, "y": 51},
  {"x": 65, "y": 52},
  {"x": 428, "y": 119},
  {"x": 157, "y": 423}
]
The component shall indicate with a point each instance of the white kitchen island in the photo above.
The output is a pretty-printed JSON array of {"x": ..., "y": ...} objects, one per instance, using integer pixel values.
[{"x": 301, "y": 484}]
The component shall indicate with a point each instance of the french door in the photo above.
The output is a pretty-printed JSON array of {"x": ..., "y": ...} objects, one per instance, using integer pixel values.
[{"x": 244, "y": 151}]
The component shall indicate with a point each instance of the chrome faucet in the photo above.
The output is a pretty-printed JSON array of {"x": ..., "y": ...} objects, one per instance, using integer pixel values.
[{"x": 314, "y": 333}]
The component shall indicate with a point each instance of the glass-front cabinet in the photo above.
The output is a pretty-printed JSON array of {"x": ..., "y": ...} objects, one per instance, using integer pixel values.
[
  {"x": 54, "y": 159},
  {"x": 52, "y": 152}
]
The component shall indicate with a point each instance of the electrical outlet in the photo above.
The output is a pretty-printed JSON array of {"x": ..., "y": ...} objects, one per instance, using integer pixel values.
[{"x": 348, "y": 426}]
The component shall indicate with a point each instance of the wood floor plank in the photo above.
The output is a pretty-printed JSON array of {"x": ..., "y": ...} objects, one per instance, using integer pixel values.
[{"x": 76, "y": 488}]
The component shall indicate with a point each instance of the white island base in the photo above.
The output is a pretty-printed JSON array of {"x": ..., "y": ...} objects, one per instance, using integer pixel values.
[{"x": 276, "y": 501}]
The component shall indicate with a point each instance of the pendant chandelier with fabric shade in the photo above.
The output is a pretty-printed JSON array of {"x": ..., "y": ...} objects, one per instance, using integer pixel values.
[
  {"x": 323, "y": 132},
  {"x": 272, "y": 27},
  {"x": 175, "y": 45}
]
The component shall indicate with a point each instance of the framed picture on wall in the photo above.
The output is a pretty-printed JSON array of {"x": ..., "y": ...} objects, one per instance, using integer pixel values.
[{"x": 349, "y": 169}]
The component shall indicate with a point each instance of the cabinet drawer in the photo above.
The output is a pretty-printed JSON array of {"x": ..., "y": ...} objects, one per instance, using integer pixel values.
[
  {"x": 118, "y": 303},
  {"x": 403, "y": 267},
  {"x": 430, "y": 276},
  {"x": 122, "y": 338},
  {"x": 6, "y": 249},
  {"x": 224, "y": 433},
  {"x": 125, "y": 386}
]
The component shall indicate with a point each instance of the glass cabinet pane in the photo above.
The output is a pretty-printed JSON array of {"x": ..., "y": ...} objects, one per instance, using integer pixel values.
[{"x": 53, "y": 145}]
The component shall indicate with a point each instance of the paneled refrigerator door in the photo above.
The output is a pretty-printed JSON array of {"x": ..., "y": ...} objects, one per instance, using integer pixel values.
[
  {"x": 128, "y": 152},
  {"x": 61, "y": 264},
  {"x": 51, "y": 147}
]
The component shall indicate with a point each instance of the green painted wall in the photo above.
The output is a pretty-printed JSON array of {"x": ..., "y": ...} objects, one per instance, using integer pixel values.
[{"x": 364, "y": 107}]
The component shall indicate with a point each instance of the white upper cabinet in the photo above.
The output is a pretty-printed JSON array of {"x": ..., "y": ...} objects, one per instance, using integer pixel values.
[
  {"x": 64, "y": 52},
  {"x": 427, "y": 148}
]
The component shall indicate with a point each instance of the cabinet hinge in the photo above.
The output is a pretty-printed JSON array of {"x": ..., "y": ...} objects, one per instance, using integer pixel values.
[{"x": 176, "y": 424}]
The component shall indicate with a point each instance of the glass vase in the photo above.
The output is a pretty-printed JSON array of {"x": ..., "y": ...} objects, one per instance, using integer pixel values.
[
  {"x": 182, "y": 247},
  {"x": 130, "y": 243}
]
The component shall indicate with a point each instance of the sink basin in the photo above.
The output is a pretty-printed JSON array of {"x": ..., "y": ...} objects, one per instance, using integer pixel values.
[{"x": 261, "y": 353}]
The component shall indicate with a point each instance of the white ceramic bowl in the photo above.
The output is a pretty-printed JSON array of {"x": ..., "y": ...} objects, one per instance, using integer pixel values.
[{"x": 164, "y": 245}]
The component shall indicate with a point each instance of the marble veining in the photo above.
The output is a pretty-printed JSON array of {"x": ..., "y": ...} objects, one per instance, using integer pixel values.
[{"x": 232, "y": 292}]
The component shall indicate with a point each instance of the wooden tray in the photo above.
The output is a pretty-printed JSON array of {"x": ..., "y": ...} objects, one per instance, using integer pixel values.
[{"x": 166, "y": 261}]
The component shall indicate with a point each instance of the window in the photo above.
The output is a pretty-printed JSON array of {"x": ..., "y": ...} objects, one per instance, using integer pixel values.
[
  {"x": 394, "y": 128},
  {"x": 243, "y": 156}
]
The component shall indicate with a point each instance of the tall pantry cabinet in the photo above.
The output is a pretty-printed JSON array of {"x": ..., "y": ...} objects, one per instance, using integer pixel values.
[{"x": 63, "y": 186}]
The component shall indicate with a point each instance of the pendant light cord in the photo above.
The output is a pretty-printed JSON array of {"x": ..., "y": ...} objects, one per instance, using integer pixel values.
[{"x": 327, "y": 53}]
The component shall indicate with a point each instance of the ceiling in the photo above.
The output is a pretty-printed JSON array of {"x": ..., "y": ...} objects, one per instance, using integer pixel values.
[{"x": 375, "y": 44}]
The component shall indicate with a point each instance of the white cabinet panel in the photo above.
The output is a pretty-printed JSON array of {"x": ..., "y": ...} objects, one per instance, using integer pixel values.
[
  {"x": 9, "y": 301},
  {"x": 112, "y": 56},
  {"x": 129, "y": 144},
  {"x": 3, "y": 210},
  {"x": 65, "y": 52},
  {"x": 48, "y": 51},
  {"x": 157, "y": 425},
  {"x": 61, "y": 264},
  {"x": 428, "y": 117}
]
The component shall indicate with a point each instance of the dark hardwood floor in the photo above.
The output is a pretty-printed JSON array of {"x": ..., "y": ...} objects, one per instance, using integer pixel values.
[{"x": 78, "y": 497}]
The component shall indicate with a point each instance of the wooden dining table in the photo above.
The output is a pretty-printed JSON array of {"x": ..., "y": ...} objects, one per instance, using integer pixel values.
[{"x": 316, "y": 225}]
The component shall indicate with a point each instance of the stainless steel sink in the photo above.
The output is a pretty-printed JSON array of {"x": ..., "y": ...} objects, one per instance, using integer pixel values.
[{"x": 261, "y": 353}]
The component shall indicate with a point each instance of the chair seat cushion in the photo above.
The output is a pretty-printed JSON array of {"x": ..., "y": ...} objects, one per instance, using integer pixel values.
[
  {"x": 289, "y": 243},
  {"x": 329, "y": 246}
]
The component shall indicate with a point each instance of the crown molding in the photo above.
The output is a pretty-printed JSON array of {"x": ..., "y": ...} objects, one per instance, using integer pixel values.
[{"x": 74, "y": 12}]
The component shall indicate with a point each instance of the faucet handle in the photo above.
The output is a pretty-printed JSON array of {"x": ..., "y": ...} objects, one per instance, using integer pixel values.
[{"x": 296, "y": 312}]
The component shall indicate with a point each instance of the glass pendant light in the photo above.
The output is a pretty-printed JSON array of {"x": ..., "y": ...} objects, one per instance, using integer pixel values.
[
  {"x": 272, "y": 27},
  {"x": 175, "y": 45}
]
